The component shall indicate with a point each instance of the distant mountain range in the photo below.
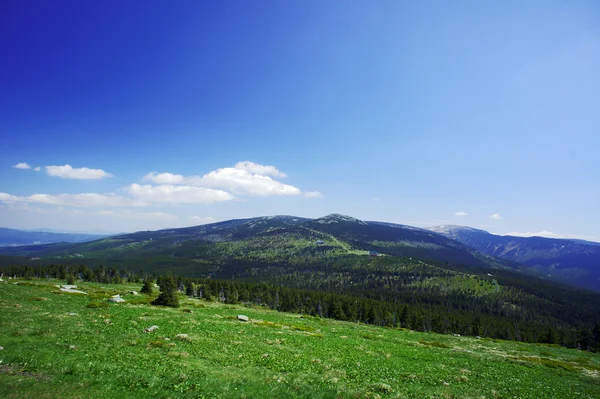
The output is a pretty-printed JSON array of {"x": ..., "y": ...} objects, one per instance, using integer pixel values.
[
  {"x": 13, "y": 237},
  {"x": 573, "y": 261},
  {"x": 220, "y": 248}
]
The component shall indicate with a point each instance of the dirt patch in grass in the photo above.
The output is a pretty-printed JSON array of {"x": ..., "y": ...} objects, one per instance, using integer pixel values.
[
  {"x": 434, "y": 344},
  {"x": 12, "y": 370},
  {"x": 544, "y": 361}
]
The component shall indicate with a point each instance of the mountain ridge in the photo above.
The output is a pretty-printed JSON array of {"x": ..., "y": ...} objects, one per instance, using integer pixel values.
[{"x": 570, "y": 260}]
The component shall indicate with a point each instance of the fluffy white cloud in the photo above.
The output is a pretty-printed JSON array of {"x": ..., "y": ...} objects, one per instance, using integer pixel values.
[
  {"x": 68, "y": 172},
  {"x": 240, "y": 181},
  {"x": 495, "y": 216},
  {"x": 76, "y": 200},
  {"x": 201, "y": 219},
  {"x": 37, "y": 169},
  {"x": 178, "y": 194},
  {"x": 163, "y": 178},
  {"x": 461, "y": 213},
  {"x": 245, "y": 178},
  {"x": 317, "y": 194},
  {"x": 22, "y": 165},
  {"x": 267, "y": 170}
]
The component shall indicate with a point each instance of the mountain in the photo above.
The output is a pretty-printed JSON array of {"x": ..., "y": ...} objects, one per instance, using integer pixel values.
[
  {"x": 273, "y": 239},
  {"x": 573, "y": 261},
  {"x": 13, "y": 237}
]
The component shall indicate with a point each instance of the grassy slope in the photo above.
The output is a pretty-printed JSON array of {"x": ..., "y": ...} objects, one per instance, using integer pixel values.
[{"x": 274, "y": 355}]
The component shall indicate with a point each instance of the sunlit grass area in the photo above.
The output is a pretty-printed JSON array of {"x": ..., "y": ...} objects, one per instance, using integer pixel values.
[{"x": 75, "y": 345}]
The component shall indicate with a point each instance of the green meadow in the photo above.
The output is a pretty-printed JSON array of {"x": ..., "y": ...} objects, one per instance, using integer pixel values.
[{"x": 76, "y": 346}]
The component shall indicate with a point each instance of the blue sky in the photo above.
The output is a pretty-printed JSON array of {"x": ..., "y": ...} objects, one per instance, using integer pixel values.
[{"x": 396, "y": 111}]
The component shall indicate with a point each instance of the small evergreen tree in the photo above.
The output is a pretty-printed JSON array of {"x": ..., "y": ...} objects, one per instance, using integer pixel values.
[
  {"x": 70, "y": 279},
  {"x": 189, "y": 288},
  {"x": 147, "y": 287},
  {"x": 168, "y": 295}
]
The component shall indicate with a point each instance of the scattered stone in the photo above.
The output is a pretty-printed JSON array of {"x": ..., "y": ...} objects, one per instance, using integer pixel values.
[
  {"x": 150, "y": 329},
  {"x": 446, "y": 384},
  {"x": 72, "y": 314},
  {"x": 156, "y": 286},
  {"x": 72, "y": 347},
  {"x": 265, "y": 355},
  {"x": 183, "y": 337},
  {"x": 241, "y": 317},
  {"x": 70, "y": 289},
  {"x": 116, "y": 298},
  {"x": 1, "y": 348},
  {"x": 456, "y": 335},
  {"x": 167, "y": 339},
  {"x": 133, "y": 292},
  {"x": 478, "y": 337}
]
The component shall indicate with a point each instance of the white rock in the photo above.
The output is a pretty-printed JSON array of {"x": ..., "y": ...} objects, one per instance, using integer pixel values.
[
  {"x": 133, "y": 292},
  {"x": 71, "y": 291},
  {"x": 150, "y": 329},
  {"x": 116, "y": 298},
  {"x": 241, "y": 317}
]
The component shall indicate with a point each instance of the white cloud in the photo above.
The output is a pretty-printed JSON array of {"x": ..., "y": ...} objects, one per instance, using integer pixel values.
[
  {"x": 22, "y": 165},
  {"x": 37, "y": 169},
  {"x": 461, "y": 213},
  {"x": 313, "y": 194},
  {"x": 267, "y": 170},
  {"x": 178, "y": 194},
  {"x": 68, "y": 172},
  {"x": 201, "y": 219},
  {"x": 76, "y": 200},
  {"x": 495, "y": 216},
  {"x": 245, "y": 178},
  {"x": 163, "y": 178},
  {"x": 240, "y": 181}
]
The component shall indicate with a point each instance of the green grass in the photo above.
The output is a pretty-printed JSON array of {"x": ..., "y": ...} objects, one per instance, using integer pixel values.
[{"x": 59, "y": 346}]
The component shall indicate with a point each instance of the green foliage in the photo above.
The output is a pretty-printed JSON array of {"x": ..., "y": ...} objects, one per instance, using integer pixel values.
[
  {"x": 189, "y": 288},
  {"x": 168, "y": 295},
  {"x": 70, "y": 279},
  {"x": 105, "y": 353},
  {"x": 147, "y": 287}
]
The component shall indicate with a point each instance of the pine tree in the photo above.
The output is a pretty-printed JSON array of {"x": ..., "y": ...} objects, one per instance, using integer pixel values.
[
  {"x": 189, "y": 288},
  {"x": 147, "y": 287},
  {"x": 168, "y": 295}
]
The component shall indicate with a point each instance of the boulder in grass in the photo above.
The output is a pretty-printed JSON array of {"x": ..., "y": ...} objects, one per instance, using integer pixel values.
[
  {"x": 241, "y": 317},
  {"x": 117, "y": 298},
  {"x": 133, "y": 292},
  {"x": 150, "y": 329},
  {"x": 70, "y": 289}
]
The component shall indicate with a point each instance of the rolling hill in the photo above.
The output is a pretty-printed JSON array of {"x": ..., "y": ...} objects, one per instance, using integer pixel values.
[
  {"x": 273, "y": 239},
  {"x": 573, "y": 261}
]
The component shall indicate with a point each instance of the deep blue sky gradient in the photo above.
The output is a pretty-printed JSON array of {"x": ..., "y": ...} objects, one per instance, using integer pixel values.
[{"x": 430, "y": 107}]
